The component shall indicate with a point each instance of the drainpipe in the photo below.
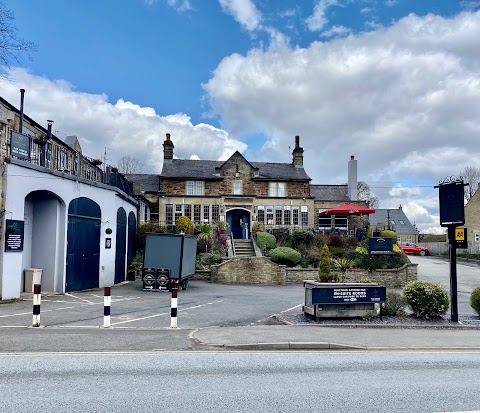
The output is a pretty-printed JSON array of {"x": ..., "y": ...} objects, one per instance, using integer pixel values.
[{"x": 22, "y": 97}]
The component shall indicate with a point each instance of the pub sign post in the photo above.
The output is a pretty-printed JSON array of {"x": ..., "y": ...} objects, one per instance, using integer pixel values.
[{"x": 452, "y": 215}]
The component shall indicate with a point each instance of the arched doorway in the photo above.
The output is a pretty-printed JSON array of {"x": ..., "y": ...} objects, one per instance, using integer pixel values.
[
  {"x": 239, "y": 223},
  {"x": 83, "y": 245},
  {"x": 121, "y": 245},
  {"x": 44, "y": 238}
]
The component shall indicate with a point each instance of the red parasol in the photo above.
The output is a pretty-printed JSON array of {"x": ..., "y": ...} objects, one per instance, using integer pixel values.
[{"x": 348, "y": 209}]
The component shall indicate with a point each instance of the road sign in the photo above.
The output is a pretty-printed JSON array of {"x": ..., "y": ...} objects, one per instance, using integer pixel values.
[{"x": 461, "y": 237}]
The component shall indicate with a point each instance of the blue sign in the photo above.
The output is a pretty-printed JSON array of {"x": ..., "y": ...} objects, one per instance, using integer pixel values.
[
  {"x": 380, "y": 245},
  {"x": 349, "y": 295}
]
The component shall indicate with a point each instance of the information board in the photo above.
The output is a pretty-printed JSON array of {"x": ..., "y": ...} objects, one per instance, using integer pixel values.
[
  {"x": 380, "y": 246},
  {"x": 14, "y": 235},
  {"x": 349, "y": 295}
]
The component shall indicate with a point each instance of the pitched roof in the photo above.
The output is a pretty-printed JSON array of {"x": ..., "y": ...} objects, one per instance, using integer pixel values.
[
  {"x": 329, "y": 192},
  {"x": 201, "y": 169},
  {"x": 380, "y": 218},
  {"x": 146, "y": 182}
]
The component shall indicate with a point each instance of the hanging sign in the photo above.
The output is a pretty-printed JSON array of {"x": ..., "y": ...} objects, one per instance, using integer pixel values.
[{"x": 20, "y": 145}]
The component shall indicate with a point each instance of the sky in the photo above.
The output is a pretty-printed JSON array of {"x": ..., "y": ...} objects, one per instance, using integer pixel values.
[{"x": 396, "y": 83}]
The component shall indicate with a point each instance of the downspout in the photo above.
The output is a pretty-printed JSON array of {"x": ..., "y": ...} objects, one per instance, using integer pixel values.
[{"x": 22, "y": 98}]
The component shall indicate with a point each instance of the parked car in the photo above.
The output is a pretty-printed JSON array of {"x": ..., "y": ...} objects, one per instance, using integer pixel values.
[{"x": 410, "y": 248}]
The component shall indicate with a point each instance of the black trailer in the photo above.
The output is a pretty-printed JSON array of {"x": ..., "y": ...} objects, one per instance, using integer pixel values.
[{"x": 168, "y": 258}]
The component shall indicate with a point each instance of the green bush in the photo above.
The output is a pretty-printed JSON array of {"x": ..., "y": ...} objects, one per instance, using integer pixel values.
[
  {"x": 211, "y": 259},
  {"x": 335, "y": 240},
  {"x": 306, "y": 238},
  {"x": 395, "y": 304},
  {"x": 285, "y": 255},
  {"x": 427, "y": 300},
  {"x": 184, "y": 224},
  {"x": 266, "y": 239},
  {"x": 378, "y": 262},
  {"x": 324, "y": 272},
  {"x": 386, "y": 233},
  {"x": 475, "y": 300},
  {"x": 313, "y": 257}
]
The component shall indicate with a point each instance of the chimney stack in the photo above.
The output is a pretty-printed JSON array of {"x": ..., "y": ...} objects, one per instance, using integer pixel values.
[
  {"x": 297, "y": 154},
  {"x": 168, "y": 149},
  {"x": 352, "y": 179}
]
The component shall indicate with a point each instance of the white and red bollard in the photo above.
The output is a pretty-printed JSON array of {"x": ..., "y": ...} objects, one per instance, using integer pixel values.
[
  {"x": 37, "y": 299},
  {"x": 107, "y": 301},
  {"x": 174, "y": 303}
]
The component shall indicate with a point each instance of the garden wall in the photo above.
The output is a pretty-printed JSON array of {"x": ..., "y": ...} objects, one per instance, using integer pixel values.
[
  {"x": 396, "y": 278},
  {"x": 249, "y": 270},
  {"x": 261, "y": 270}
]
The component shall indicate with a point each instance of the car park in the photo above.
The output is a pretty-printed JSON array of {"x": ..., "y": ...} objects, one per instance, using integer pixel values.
[{"x": 410, "y": 248}]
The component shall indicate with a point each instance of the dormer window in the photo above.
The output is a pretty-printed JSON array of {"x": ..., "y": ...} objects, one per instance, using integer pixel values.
[
  {"x": 194, "y": 187},
  {"x": 277, "y": 189}
]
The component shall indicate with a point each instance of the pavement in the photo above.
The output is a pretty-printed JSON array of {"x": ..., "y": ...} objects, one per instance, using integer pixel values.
[{"x": 353, "y": 337}]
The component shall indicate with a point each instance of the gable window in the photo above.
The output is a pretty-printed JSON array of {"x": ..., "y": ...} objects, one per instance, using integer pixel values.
[
  {"x": 304, "y": 215},
  {"x": 295, "y": 215},
  {"x": 277, "y": 189},
  {"x": 401, "y": 222},
  {"x": 215, "y": 213},
  {"x": 270, "y": 214},
  {"x": 261, "y": 213},
  {"x": 278, "y": 215},
  {"x": 237, "y": 188},
  {"x": 194, "y": 187},
  {"x": 287, "y": 215}
]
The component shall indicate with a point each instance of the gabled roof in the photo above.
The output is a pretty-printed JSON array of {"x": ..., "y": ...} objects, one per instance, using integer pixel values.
[
  {"x": 146, "y": 182},
  {"x": 329, "y": 192},
  {"x": 380, "y": 218},
  {"x": 236, "y": 153},
  {"x": 201, "y": 169}
]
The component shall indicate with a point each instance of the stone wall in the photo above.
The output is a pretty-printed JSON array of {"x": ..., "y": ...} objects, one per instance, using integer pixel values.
[
  {"x": 251, "y": 270},
  {"x": 261, "y": 270},
  {"x": 396, "y": 278}
]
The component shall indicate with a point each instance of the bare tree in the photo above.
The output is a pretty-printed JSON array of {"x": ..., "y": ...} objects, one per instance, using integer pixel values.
[
  {"x": 12, "y": 46},
  {"x": 365, "y": 194},
  {"x": 471, "y": 176},
  {"x": 131, "y": 165}
]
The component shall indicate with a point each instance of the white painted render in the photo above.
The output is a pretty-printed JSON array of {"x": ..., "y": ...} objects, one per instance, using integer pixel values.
[{"x": 41, "y": 200}]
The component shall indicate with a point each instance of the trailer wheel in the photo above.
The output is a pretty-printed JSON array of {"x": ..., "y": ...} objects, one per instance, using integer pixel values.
[{"x": 184, "y": 284}]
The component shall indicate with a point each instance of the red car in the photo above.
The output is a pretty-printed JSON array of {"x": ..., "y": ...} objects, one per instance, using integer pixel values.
[{"x": 410, "y": 248}]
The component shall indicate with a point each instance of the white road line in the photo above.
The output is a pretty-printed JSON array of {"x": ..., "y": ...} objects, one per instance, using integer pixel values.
[
  {"x": 159, "y": 315},
  {"x": 78, "y": 298},
  {"x": 290, "y": 309}
]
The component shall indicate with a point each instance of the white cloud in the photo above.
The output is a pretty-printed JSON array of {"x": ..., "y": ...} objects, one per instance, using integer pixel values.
[
  {"x": 404, "y": 100},
  {"x": 318, "y": 20},
  {"x": 179, "y": 5},
  {"x": 337, "y": 31},
  {"x": 244, "y": 12},
  {"x": 124, "y": 128}
]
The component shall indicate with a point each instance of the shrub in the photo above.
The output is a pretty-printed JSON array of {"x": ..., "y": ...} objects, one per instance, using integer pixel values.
[
  {"x": 395, "y": 304},
  {"x": 210, "y": 259},
  {"x": 335, "y": 240},
  {"x": 386, "y": 233},
  {"x": 475, "y": 300},
  {"x": 362, "y": 280},
  {"x": 352, "y": 242},
  {"x": 258, "y": 227},
  {"x": 142, "y": 230},
  {"x": 427, "y": 300},
  {"x": 324, "y": 272},
  {"x": 313, "y": 257},
  {"x": 266, "y": 239},
  {"x": 306, "y": 238},
  {"x": 184, "y": 224},
  {"x": 285, "y": 255},
  {"x": 343, "y": 264}
]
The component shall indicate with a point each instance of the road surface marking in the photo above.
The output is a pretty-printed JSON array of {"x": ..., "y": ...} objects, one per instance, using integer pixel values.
[
  {"x": 290, "y": 309},
  {"x": 158, "y": 315},
  {"x": 79, "y": 298}
]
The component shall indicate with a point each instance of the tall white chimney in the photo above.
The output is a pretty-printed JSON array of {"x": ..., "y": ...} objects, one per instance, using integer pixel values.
[{"x": 352, "y": 179}]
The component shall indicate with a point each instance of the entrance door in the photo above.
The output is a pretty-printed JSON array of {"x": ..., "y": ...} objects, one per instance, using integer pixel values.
[
  {"x": 239, "y": 220},
  {"x": 121, "y": 245},
  {"x": 83, "y": 245}
]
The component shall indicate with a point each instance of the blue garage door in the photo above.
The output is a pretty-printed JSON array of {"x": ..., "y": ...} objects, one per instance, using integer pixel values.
[
  {"x": 83, "y": 245},
  {"x": 121, "y": 245},
  {"x": 132, "y": 233}
]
